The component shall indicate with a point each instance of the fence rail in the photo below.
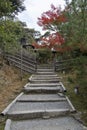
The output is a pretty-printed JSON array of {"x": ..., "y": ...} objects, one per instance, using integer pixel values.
[
  {"x": 65, "y": 64},
  {"x": 25, "y": 62}
]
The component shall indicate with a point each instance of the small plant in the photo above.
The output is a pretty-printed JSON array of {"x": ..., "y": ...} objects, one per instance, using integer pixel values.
[{"x": 70, "y": 80}]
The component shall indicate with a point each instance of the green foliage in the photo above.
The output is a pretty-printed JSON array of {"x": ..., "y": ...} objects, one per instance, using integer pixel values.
[
  {"x": 2, "y": 122},
  {"x": 81, "y": 71},
  {"x": 5, "y": 8},
  {"x": 30, "y": 35},
  {"x": 2, "y": 127},
  {"x": 76, "y": 28},
  {"x": 10, "y": 30},
  {"x": 10, "y": 34},
  {"x": 17, "y": 6},
  {"x": 11, "y": 7},
  {"x": 70, "y": 80},
  {"x": 44, "y": 56},
  {"x": 80, "y": 74},
  {"x": 79, "y": 78}
]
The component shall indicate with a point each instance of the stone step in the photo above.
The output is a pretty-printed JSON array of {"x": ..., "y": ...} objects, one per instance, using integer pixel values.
[
  {"x": 45, "y": 67},
  {"x": 34, "y": 77},
  {"x": 43, "y": 85},
  {"x": 60, "y": 123},
  {"x": 43, "y": 89},
  {"x": 45, "y": 78},
  {"x": 45, "y": 73},
  {"x": 41, "y": 98},
  {"x": 54, "y": 76},
  {"x": 44, "y": 81},
  {"x": 20, "y": 115},
  {"x": 45, "y": 70},
  {"x": 27, "y": 110},
  {"x": 37, "y": 79},
  {"x": 20, "y": 109}
]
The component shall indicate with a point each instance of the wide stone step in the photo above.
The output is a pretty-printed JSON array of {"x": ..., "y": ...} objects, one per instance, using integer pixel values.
[
  {"x": 61, "y": 123},
  {"x": 45, "y": 70},
  {"x": 27, "y": 110},
  {"x": 45, "y": 87},
  {"x": 41, "y": 97},
  {"x": 20, "y": 115},
  {"x": 45, "y": 67},
  {"x": 45, "y": 73},
  {"x": 45, "y": 78},
  {"x": 44, "y": 81},
  {"x": 34, "y": 77}
]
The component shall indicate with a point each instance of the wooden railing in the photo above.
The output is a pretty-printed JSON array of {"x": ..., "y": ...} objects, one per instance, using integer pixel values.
[
  {"x": 65, "y": 64},
  {"x": 24, "y": 62}
]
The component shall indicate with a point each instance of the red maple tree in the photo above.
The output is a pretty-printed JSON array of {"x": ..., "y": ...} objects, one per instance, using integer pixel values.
[
  {"x": 54, "y": 40},
  {"x": 50, "y": 19}
]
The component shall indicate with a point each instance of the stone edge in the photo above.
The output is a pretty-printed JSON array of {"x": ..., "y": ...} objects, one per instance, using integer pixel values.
[
  {"x": 8, "y": 124},
  {"x": 4, "y": 112}
]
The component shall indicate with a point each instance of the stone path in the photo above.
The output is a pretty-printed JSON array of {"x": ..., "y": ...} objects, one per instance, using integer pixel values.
[{"x": 42, "y": 105}]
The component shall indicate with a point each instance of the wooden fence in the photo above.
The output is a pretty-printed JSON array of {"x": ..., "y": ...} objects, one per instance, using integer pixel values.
[
  {"x": 65, "y": 64},
  {"x": 24, "y": 62}
]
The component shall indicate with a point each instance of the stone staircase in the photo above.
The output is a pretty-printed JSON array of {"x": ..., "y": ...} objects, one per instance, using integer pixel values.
[{"x": 42, "y": 106}]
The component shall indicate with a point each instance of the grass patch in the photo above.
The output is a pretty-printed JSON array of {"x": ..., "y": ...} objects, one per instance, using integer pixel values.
[
  {"x": 2, "y": 122},
  {"x": 2, "y": 125},
  {"x": 78, "y": 100}
]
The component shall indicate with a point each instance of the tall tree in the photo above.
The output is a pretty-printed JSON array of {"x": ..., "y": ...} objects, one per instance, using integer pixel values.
[
  {"x": 76, "y": 28},
  {"x": 52, "y": 20},
  {"x": 71, "y": 22},
  {"x": 17, "y": 6},
  {"x": 9, "y": 28},
  {"x": 11, "y": 7}
]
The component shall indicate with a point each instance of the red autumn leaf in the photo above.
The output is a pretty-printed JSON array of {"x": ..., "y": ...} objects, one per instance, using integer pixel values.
[
  {"x": 54, "y": 40},
  {"x": 54, "y": 15}
]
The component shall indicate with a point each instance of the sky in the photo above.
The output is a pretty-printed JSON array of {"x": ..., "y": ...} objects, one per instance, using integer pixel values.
[{"x": 34, "y": 9}]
